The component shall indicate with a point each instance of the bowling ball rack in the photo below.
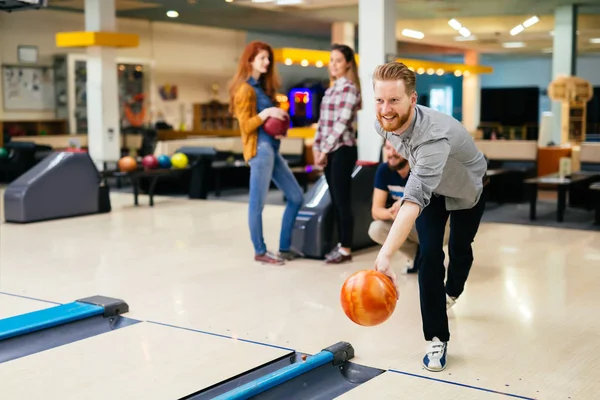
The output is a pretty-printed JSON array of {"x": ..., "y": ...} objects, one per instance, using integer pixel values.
[{"x": 144, "y": 173}]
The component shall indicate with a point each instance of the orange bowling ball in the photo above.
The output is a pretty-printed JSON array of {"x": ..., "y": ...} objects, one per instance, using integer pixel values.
[
  {"x": 368, "y": 297},
  {"x": 127, "y": 164}
]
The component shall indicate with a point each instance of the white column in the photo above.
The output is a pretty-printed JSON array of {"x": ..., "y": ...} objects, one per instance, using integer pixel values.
[
  {"x": 471, "y": 98},
  {"x": 564, "y": 56},
  {"x": 376, "y": 45},
  {"x": 102, "y": 86},
  {"x": 343, "y": 33}
]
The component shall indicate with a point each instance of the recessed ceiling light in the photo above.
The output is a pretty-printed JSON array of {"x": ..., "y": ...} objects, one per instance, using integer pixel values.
[
  {"x": 172, "y": 14},
  {"x": 531, "y": 21},
  {"x": 465, "y": 39},
  {"x": 517, "y": 29},
  {"x": 464, "y": 32},
  {"x": 454, "y": 24},
  {"x": 413, "y": 34},
  {"x": 595, "y": 40},
  {"x": 513, "y": 45}
]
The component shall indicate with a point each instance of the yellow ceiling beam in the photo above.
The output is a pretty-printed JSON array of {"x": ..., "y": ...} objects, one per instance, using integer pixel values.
[
  {"x": 320, "y": 58},
  {"x": 103, "y": 39}
]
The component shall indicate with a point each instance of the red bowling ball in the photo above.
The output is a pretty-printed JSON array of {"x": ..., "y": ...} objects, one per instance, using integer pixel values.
[
  {"x": 277, "y": 127},
  {"x": 150, "y": 162}
]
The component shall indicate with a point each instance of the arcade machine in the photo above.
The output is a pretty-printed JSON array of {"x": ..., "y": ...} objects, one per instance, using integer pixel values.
[{"x": 305, "y": 101}]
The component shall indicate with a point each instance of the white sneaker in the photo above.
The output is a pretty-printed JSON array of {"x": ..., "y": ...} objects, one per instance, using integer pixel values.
[
  {"x": 450, "y": 301},
  {"x": 435, "y": 357}
]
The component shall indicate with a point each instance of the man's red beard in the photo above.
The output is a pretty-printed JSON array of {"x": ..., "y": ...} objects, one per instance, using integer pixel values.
[{"x": 393, "y": 124}]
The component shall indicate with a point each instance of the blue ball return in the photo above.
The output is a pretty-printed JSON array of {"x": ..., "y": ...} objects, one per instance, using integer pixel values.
[{"x": 41, "y": 330}]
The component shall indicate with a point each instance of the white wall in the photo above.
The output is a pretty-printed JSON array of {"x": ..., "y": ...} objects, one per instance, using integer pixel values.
[{"x": 191, "y": 57}]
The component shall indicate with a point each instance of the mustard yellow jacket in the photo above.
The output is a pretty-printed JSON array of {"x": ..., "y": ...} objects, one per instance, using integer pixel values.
[{"x": 244, "y": 102}]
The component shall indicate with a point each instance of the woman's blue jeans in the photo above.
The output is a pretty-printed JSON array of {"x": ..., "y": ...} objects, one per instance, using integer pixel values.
[{"x": 267, "y": 165}]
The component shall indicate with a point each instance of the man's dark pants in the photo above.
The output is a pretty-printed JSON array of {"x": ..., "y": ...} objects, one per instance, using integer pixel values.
[{"x": 430, "y": 226}]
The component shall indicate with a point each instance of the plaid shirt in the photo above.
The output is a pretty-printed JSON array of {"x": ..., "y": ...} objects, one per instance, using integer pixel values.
[{"x": 338, "y": 112}]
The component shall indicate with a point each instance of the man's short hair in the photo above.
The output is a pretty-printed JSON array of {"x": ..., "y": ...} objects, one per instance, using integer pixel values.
[{"x": 396, "y": 71}]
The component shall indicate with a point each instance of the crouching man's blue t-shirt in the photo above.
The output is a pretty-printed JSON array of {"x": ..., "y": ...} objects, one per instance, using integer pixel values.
[{"x": 391, "y": 182}]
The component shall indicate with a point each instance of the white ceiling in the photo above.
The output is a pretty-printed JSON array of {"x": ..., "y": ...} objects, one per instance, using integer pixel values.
[{"x": 489, "y": 21}]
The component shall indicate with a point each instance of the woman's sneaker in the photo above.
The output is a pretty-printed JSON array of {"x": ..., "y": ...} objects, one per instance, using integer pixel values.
[
  {"x": 269, "y": 258},
  {"x": 435, "y": 358}
]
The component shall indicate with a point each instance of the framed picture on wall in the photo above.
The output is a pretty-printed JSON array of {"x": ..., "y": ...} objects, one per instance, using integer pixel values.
[{"x": 27, "y": 54}]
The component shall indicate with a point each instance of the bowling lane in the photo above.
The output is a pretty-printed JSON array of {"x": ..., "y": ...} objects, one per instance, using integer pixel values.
[
  {"x": 11, "y": 306},
  {"x": 143, "y": 361},
  {"x": 393, "y": 385}
]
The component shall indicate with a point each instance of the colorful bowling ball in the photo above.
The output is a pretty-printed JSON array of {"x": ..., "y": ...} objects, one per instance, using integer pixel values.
[
  {"x": 164, "y": 161},
  {"x": 277, "y": 127},
  {"x": 127, "y": 164},
  {"x": 368, "y": 297},
  {"x": 150, "y": 161},
  {"x": 179, "y": 160},
  {"x": 3, "y": 152}
]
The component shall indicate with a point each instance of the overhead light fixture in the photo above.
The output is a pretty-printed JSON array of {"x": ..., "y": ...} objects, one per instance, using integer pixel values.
[
  {"x": 289, "y": 2},
  {"x": 595, "y": 40},
  {"x": 413, "y": 34},
  {"x": 464, "y": 32},
  {"x": 465, "y": 38},
  {"x": 531, "y": 21},
  {"x": 521, "y": 27},
  {"x": 454, "y": 24},
  {"x": 517, "y": 29},
  {"x": 263, "y": 1},
  {"x": 513, "y": 45},
  {"x": 172, "y": 14}
]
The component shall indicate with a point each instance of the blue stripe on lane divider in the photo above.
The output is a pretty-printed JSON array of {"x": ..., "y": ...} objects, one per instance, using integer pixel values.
[
  {"x": 278, "y": 377},
  {"x": 47, "y": 318}
]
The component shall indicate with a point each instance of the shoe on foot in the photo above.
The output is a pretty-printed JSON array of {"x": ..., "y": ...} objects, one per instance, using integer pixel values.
[
  {"x": 338, "y": 257},
  {"x": 289, "y": 255},
  {"x": 450, "y": 301},
  {"x": 269, "y": 258},
  {"x": 435, "y": 358},
  {"x": 411, "y": 268},
  {"x": 333, "y": 251}
]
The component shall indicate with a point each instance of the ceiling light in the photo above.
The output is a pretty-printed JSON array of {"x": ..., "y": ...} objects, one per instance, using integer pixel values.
[
  {"x": 531, "y": 21},
  {"x": 517, "y": 29},
  {"x": 228, "y": 1},
  {"x": 595, "y": 40},
  {"x": 413, "y": 34},
  {"x": 454, "y": 24},
  {"x": 289, "y": 2},
  {"x": 513, "y": 45},
  {"x": 172, "y": 14},
  {"x": 465, "y": 39},
  {"x": 263, "y": 1},
  {"x": 464, "y": 32}
]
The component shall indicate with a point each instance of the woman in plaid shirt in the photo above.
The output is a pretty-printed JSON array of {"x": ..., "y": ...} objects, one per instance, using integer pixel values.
[{"x": 334, "y": 148}]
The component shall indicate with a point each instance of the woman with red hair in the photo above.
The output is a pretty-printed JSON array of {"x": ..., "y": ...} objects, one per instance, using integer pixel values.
[{"x": 252, "y": 93}]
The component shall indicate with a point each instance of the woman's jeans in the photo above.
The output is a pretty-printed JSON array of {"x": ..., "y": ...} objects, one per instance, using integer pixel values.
[{"x": 266, "y": 165}]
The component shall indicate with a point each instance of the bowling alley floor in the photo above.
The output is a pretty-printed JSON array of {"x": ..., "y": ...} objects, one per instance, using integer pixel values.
[{"x": 526, "y": 327}]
